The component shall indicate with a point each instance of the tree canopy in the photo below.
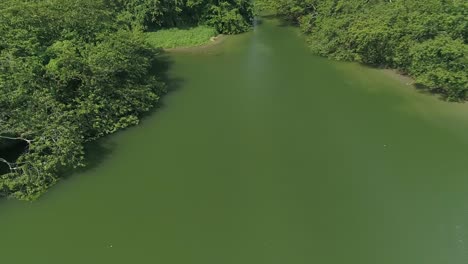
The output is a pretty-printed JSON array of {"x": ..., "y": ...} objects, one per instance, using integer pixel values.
[{"x": 227, "y": 16}]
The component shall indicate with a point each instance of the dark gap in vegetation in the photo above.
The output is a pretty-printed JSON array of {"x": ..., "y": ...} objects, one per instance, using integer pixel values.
[{"x": 11, "y": 150}]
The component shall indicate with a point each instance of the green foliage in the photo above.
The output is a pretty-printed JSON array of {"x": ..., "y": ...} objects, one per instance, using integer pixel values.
[
  {"x": 107, "y": 83},
  {"x": 174, "y": 37},
  {"x": 440, "y": 63},
  {"x": 230, "y": 17},
  {"x": 74, "y": 71},
  {"x": 426, "y": 39},
  {"x": 226, "y": 16},
  {"x": 67, "y": 76}
]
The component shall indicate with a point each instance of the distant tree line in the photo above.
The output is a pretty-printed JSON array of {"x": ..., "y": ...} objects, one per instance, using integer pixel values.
[
  {"x": 226, "y": 16},
  {"x": 74, "y": 71},
  {"x": 424, "y": 39}
]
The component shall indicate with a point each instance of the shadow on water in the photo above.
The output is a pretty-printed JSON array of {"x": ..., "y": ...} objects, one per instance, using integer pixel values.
[
  {"x": 285, "y": 22},
  {"x": 282, "y": 21},
  {"x": 161, "y": 69},
  {"x": 98, "y": 151},
  {"x": 258, "y": 21},
  {"x": 406, "y": 79},
  {"x": 95, "y": 154}
]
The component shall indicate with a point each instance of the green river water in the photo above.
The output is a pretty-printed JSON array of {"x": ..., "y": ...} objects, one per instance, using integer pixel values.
[{"x": 263, "y": 154}]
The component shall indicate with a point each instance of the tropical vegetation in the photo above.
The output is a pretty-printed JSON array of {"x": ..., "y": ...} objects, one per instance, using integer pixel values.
[
  {"x": 424, "y": 39},
  {"x": 74, "y": 71}
]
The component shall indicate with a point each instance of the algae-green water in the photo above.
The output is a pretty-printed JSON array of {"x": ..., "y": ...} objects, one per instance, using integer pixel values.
[{"x": 263, "y": 154}]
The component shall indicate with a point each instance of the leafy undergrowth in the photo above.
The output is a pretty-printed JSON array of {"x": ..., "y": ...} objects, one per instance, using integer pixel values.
[{"x": 177, "y": 38}]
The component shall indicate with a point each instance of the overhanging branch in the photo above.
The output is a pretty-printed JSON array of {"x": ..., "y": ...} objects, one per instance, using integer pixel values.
[{"x": 18, "y": 138}]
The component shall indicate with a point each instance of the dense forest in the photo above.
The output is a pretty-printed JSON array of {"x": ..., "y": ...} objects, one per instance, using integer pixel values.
[
  {"x": 424, "y": 39},
  {"x": 74, "y": 71}
]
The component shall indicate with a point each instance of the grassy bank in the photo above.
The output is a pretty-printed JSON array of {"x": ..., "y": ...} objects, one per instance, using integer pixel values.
[{"x": 179, "y": 38}]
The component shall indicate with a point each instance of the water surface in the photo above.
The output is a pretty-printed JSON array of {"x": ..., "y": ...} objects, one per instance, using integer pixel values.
[{"x": 264, "y": 154}]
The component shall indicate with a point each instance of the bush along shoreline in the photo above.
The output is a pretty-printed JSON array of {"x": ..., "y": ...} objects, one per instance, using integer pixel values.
[
  {"x": 426, "y": 40},
  {"x": 72, "y": 72}
]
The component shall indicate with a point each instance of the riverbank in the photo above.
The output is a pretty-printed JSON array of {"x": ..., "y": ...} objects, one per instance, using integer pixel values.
[
  {"x": 182, "y": 38},
  {"x": 214, "y": 41},
  {"x": 374, "y": 35},
  {"x": 410, "y": 81},
  {"x": 402, "y": 78}
]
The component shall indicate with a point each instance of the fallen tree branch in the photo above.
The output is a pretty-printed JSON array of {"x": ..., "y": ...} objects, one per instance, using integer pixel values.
[{"x": 10, "y": 165}]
